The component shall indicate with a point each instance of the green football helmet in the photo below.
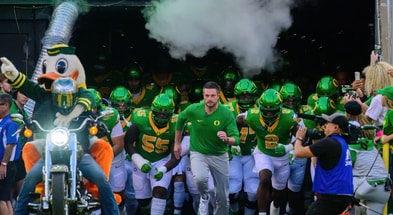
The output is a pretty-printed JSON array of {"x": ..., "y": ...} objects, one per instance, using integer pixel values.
[
  {"x": 312, "y": 98},
  {"x": 172, "y": 92},
  {"x": 327, "y": 86},
  {"x": 275, "y": 84},
  {"x": 246, "y": 93},
  {"x": 134, "y": 73},
  {"x": 270, "y": 104},
  {"x": 121, "y": 100},
  {"x": 163, "y": 108},
  {"x": 64, "y": 93},
  {"x": 196, "y": 94},
  {"x": 324, "y": 105},
  {"x": 97, "y": 98},
  {"x": 229, "y": 77},
  {"x": 292, "y": 96}
]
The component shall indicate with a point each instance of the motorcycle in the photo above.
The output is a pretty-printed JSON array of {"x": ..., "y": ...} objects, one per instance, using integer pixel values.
[{"x": 63, "y": 181}]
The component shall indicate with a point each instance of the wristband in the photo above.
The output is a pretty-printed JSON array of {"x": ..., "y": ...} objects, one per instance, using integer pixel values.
[
  {"x": 3, "y": 163},
  {"x": 299, "y": 138}
]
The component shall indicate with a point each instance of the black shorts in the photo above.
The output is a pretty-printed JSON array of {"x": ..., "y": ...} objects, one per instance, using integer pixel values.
[
  {"x": 20, "y": 169},
  {"x": 6, "y": 184}
]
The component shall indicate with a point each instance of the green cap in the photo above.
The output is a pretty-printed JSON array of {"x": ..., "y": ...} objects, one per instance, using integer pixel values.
[
  {"x": 387, "y": 91},
  {"x": 60, "y": 49}
]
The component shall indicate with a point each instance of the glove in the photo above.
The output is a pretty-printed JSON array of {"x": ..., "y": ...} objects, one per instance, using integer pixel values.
[
  {"x": 64, "y": 121},
  {"x": 159, "y": 173},
  {"x": 143, "y": 164},
  {"x": 8, "y": 69},
  {"x": 236, "y": 150},
  {"x": 282, "y": 149}
]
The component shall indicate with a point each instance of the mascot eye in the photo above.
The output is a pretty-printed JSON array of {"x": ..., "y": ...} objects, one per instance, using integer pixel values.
[
  {"x": 44, "y": 67},
  {"x": 61, "y": 66}
]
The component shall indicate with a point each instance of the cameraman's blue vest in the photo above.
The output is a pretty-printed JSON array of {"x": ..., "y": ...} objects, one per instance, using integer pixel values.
[{"x": 338, "y": 180}]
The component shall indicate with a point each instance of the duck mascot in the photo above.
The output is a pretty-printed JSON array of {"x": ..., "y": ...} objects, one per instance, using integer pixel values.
[{"x": 60, "y": 61}]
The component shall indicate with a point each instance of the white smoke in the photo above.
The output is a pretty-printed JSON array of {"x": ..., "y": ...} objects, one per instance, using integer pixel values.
[{"x": 247, "y": 29}]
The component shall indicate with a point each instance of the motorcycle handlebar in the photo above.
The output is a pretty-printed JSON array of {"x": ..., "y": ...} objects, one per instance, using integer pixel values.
[{"x": 88, "y": 119}]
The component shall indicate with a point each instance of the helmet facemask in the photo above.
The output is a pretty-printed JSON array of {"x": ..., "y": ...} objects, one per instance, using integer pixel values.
[
  {"x": 292, "y": 95},
  {"x": 245, "y": 91},
  {"x": 270, "y": 114},
  {"x": 123, "y": 107},
  {"x": 64, "y": 94},
  {"x": 291, "y": 102},
  {"x": 163, "y": 108},
  {"x": 270, "y": 105},
  {"x": 121, "y": 100},
  {"x": 246, "y": 100},
  {"x": 230, "y": 76},
  {"x": 134, "y": 79}
]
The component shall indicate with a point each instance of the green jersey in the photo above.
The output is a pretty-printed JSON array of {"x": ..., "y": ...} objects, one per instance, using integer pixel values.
[
  {"x": 204, "y": 130},
  {"x": 153, "y": 143},
  {"x": 175, "y": 78},
  {"x": 146, "y": 97},
  {"x": 388, "y": 124},
  {"x": 268, "y": 137},
  {"x": 110, "y": 121},
  {"x": 247, "y": 141},
  {"x": 224, "y": 100}
]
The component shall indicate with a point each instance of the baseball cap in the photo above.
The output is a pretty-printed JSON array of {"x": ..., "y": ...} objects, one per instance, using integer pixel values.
[
  {"x": 353, "y": 108},
  {"x": 387, "y": 91},
  {"x": 338, "y": 119}
]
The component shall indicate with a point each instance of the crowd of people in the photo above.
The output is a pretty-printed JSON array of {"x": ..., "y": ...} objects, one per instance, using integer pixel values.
[{"x": 209, "y": 142}]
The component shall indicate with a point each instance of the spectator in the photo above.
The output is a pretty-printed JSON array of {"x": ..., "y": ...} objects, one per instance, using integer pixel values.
[
  {"x": 9, "y": 152},
  {"x": 387, "y": 101},
  {"x": 377, "y": 77},
  {"x": 333, "y": 173},
  {"x": 353, "y": 111},
  {"x": 369, "y": 171}
]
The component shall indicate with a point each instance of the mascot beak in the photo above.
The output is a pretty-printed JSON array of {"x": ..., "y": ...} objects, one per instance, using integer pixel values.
[{"x": 48, "y": 78}]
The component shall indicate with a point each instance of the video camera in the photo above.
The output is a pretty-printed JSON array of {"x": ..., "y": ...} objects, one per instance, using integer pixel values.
[{"x": 313, "y": 133}]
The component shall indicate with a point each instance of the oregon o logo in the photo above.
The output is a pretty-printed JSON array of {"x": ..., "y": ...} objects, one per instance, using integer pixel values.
[{"x": 216, "y": 123}]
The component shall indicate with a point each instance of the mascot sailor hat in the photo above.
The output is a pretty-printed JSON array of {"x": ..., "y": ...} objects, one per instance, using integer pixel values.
[{"x": 61, "y": 61}]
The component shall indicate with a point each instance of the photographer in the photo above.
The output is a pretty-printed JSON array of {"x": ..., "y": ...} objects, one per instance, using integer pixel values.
[{"x": 333, "y": 173}]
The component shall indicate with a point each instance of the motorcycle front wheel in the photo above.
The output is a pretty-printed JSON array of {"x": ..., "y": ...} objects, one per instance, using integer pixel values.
[{"x": 58, "y": 193}]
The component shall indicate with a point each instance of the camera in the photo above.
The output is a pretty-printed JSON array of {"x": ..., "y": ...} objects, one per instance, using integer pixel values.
[
  {"x": 311, "y": 134},
  {"x": 315, "y": 134}
]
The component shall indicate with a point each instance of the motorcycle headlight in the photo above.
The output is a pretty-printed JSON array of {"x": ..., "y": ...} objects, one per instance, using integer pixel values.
[{"x": 59, "y": 137}]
